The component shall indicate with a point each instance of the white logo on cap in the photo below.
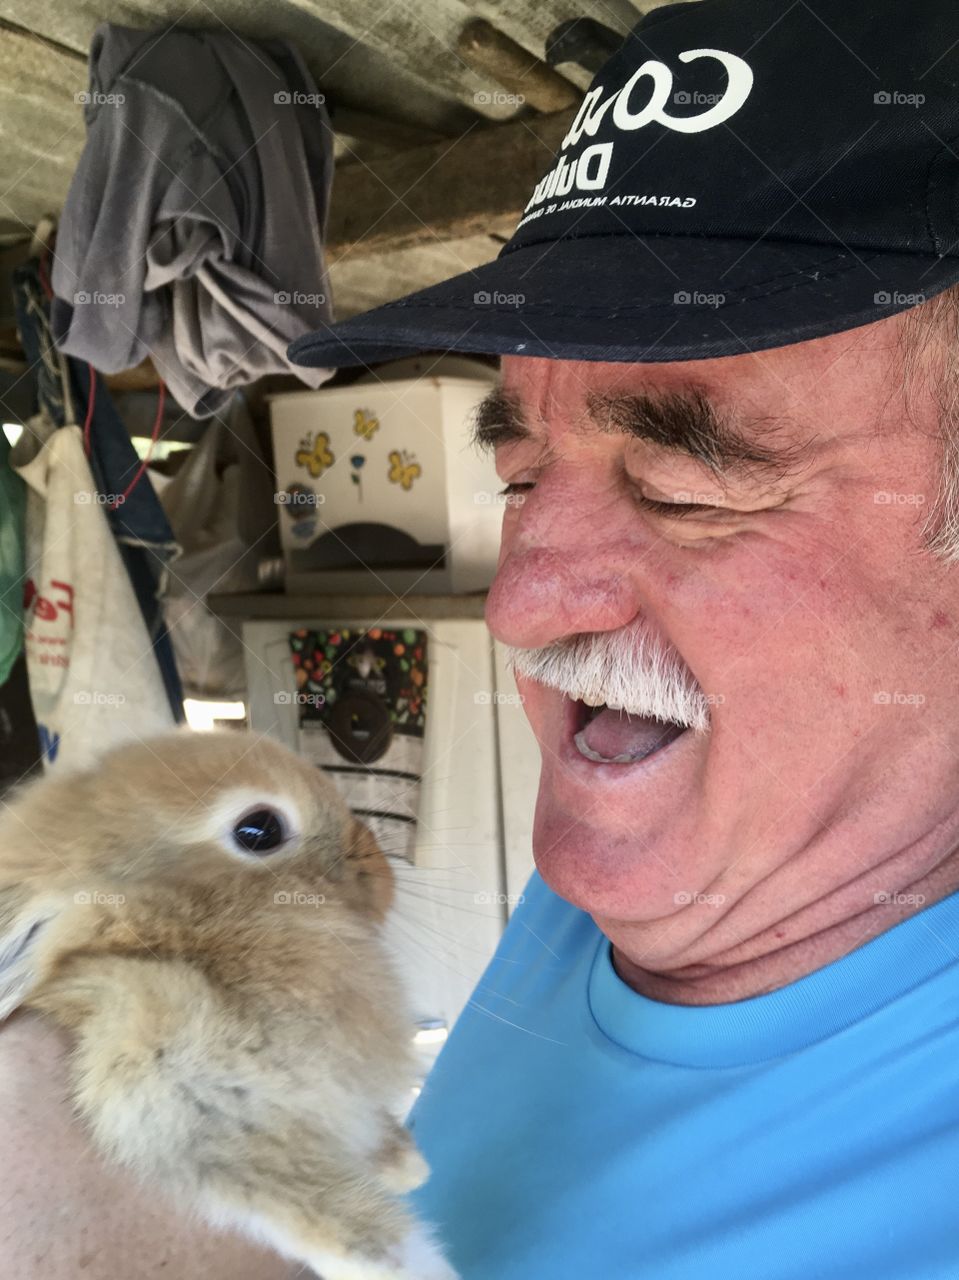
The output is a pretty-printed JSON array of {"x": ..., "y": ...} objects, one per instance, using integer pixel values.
[{"x": 591, "y": 112}]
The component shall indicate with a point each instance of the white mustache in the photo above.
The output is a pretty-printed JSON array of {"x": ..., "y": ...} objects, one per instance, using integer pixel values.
[{"x": 632, "y": 668}]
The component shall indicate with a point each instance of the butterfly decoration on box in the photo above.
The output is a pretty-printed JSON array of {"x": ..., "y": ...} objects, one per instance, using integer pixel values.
[
  {"x": 404, "y": 469},
  {"x": 365, "y": 424},
  {"x": 315, "y": 454}
]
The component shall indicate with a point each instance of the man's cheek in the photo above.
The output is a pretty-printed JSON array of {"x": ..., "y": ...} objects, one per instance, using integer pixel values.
[
  {"x": 753, "y": 583},
  {"x": 749, "y": 634}
]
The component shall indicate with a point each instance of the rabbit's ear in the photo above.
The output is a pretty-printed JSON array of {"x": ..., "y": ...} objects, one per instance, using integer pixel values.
[{"x": 23, "y": 919}]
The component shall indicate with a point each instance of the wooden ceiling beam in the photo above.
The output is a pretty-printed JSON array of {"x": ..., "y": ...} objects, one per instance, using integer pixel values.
[{"x": 473, "y": 185}]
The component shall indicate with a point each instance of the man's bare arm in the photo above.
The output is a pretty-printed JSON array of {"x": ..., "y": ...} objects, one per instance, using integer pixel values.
[{"x": 64, "y": 1213}]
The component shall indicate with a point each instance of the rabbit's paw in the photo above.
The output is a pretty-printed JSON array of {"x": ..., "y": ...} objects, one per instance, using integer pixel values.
[
  {"x": 405, "y": 1171},
  {"x": 419, "y": 1258}
]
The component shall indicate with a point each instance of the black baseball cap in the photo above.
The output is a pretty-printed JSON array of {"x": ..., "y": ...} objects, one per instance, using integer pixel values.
[{"x": 742, "y": 174}]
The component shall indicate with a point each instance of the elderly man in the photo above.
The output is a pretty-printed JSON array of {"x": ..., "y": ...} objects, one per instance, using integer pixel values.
[{"x": 719, "y": 1038}]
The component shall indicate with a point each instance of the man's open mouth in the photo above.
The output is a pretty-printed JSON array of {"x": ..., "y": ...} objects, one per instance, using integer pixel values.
[{"x": 611, "y": 735}]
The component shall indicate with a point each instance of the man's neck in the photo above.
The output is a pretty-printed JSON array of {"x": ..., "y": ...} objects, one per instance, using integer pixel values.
[{"x": 764, "y": 966}]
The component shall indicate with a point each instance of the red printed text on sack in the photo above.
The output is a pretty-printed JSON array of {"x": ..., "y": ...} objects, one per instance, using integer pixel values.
[{"x": 50, "y": 607}]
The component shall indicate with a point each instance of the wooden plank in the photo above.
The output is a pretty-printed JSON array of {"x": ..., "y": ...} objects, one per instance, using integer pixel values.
[
  {"x": 420, "y": 37},
  {"x": 530, "y": 24},
  {"x": 370, "y": 76},
  {"x": 360, "y": 281},
  {"x": 41, "y": 126},
  {"x": 489, "y": 51},
  {"x": 392, "y": 134},
  {"x": 475, "y": 185}
]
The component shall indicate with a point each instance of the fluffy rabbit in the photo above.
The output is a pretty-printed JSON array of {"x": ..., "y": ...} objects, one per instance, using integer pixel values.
[{"x": 201, "y": 912}]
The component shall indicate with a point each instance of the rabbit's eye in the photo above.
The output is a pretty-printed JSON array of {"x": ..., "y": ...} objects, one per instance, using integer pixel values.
[{"x": 260, "y": 831}]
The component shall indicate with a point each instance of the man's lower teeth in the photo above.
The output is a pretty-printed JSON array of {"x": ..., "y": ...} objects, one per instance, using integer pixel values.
[{"x": 625, "y": 758}]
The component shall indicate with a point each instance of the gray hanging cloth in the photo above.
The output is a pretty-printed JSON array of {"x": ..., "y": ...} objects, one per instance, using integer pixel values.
[{"x": 193, "y": 228}]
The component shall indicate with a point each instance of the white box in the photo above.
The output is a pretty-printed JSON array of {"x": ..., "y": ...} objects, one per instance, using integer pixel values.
[{"x": 380, "y": 488}]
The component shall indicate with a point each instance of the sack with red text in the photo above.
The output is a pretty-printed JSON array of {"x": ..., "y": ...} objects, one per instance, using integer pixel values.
[{"x": 93, "y": 676}]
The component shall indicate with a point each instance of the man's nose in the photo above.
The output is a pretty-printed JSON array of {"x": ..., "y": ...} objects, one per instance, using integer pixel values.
[
  {"x": 558, "y": 577},
  {"x": 540, "y": 595}
]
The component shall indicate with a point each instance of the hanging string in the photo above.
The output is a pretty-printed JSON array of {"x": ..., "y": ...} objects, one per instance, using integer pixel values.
[
  {"x": 92, "y": 395},
  {"x": 91, "y": 399},
  {"x": 43, "y": 273},
  {"x": 154, "y": 436}
]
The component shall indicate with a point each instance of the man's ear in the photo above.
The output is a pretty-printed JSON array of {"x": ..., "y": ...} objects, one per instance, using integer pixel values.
[{"x": 23, "y": 919}]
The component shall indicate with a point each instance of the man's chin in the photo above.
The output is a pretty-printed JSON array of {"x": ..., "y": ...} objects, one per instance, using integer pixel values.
[{"x": 612, "y": 877}]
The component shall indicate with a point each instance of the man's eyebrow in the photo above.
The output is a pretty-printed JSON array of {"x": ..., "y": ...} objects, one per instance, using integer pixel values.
[
  {"x": 682, "y": 421},
  {"x": 498, "y": 419},
  {"x": 688, "y": 422}
]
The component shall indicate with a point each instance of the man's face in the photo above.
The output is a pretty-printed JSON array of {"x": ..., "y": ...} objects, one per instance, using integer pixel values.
[{"x": 797, "y": 591}]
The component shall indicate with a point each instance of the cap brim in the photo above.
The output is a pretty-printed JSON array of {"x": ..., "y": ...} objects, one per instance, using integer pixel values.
[{"x": 639, "y": 300}]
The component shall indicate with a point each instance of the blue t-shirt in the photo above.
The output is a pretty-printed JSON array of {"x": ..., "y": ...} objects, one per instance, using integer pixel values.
[{"x": 577, "y": 1129}]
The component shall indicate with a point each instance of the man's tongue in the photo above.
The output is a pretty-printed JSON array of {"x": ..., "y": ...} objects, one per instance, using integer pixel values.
[{"x": 619, "y": 738}]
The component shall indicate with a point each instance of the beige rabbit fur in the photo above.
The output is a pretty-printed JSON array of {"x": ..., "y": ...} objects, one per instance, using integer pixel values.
[{"x": 241, "y": 1040}]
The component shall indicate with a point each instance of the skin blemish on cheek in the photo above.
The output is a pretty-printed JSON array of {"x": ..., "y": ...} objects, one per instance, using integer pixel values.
[
  {"x": 840, "y": 690},
  {"x": 939, "y": 620}
]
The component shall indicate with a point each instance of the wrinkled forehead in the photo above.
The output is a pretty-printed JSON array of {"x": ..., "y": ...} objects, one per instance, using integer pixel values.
[
  {"x": 536, "y": 380},
  {"x": 797, "y": 367}
]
